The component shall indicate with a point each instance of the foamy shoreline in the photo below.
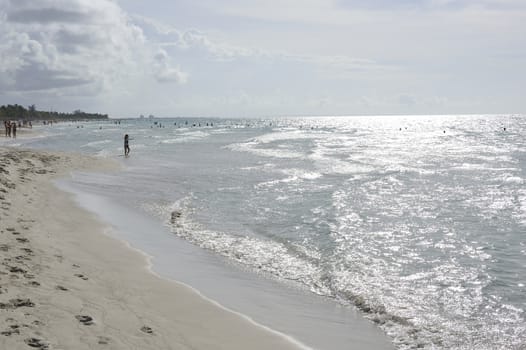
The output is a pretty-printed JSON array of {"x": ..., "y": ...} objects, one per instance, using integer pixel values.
[{"x": 65, "y": 284}]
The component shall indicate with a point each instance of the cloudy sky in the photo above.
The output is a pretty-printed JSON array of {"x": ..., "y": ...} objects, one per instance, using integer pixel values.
[{"x": 254, "y": 58}]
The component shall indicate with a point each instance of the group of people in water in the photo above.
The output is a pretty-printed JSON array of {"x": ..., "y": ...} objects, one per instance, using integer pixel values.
[{"x": 10, "y": 128}]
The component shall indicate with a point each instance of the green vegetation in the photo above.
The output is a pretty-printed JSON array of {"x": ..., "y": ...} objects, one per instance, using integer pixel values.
[{"x": 17, "y": 112}]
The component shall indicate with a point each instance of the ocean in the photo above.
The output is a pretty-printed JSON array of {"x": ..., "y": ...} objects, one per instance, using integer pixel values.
[{"x": 418, "y": 222}]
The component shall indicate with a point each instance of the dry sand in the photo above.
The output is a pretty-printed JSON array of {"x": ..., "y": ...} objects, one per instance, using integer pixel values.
[{"x": 64, "y": 284}]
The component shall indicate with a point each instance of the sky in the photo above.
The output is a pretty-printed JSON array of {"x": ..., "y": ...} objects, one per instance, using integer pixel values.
[{"x": 264, "y": 58}]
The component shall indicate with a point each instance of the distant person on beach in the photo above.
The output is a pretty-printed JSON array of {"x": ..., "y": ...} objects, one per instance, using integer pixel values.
[
  {"x": 13, "y": 127},
  {"x": 6, "y": 126},
  {"x": 126, "y": 145}
]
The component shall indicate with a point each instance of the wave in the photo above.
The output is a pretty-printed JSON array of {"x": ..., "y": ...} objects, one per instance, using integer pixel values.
[
  {"x": 284, "y": 261},
  {"x": 251, "y": 147},
  {"x": 96, "y": 143},
  {"x": 186, "y": 137}
]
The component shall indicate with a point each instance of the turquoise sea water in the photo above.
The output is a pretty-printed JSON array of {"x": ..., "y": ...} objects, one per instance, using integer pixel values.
[{"x": 419, "y": 222}]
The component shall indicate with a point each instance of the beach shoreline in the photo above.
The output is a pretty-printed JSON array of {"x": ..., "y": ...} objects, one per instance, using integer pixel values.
[{"x": 66, "y": 284}]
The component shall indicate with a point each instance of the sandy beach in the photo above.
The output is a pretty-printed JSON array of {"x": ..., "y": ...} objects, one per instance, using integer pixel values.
[{"x": 65, "y": 284}]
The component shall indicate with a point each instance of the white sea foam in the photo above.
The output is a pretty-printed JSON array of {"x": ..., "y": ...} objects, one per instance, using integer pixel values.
[
  {"x": 96, "y": 143},
  {"x": 263, "y": 255},
  {"x": 302, "y": 174},
  {"x": 514, "y": 180},
  {"x": 186, "y": 137},
  {"x": 251, "y": 147},
  {"x": 273, "y": 183},
  {"x": 291, "y": 134}
]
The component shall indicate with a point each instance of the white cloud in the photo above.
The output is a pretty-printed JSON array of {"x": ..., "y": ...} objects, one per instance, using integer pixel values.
[
  {"x": 165, "y": 73},
  {"x": 200, "y": 46},
  {"x": 55, "y": 44}
]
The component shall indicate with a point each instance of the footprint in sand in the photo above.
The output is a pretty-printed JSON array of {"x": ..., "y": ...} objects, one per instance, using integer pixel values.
[
  {"x": 14, "y": 330},
  {"x": 79, "y": 275},
  {"x": 21, "y": 302},
  {"x": 85, "y": 319},
  {"x": 16, "y": 303},
  {"x": 21, "y": 258},
  {"x": 22, "y": 240},
  {"x": 36, "y": 343},
  {"x": 61, "y": 288},
  {"x": 147, "y": 329},
  {"x": 104, "y": 340},
  {"x": 27, "y": 251},
  {"x": 16, "y": 269}
]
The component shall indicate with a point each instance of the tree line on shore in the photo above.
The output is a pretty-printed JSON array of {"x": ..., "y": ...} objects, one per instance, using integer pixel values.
[{"x": 18, "y": 112}]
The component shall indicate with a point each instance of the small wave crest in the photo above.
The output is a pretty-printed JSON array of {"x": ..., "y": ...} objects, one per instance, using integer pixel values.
[
  {"x": 252, "y": 147},
  {"x": 294, "y": 175},
  {"x": 280, "y": 142},
  {"x": 186, "y": 137},
  {"x": 96, "y": 143}
]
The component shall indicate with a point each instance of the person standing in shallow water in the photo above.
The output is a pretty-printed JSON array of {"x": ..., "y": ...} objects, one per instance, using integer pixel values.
[{"x": 126, "y": 145}]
